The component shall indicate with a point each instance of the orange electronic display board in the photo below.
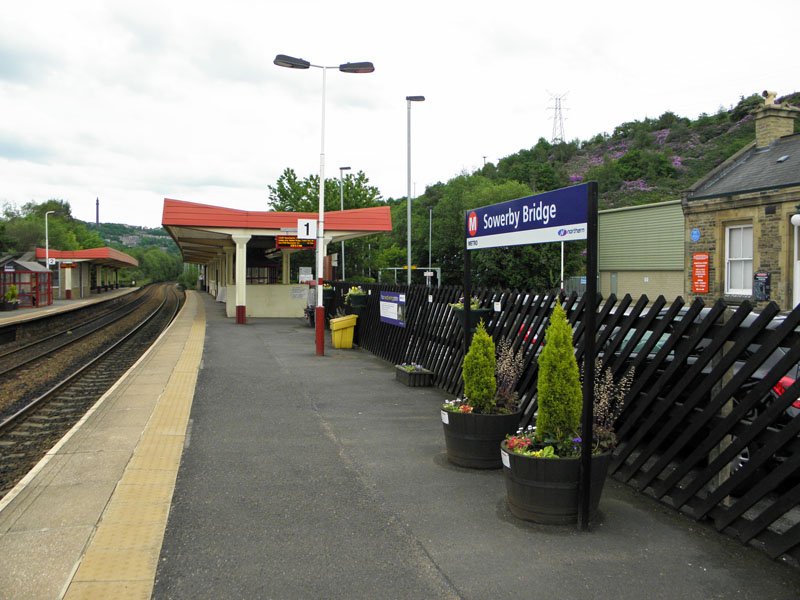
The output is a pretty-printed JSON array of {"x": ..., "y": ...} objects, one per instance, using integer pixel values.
[{"x": 291, "y": 241}]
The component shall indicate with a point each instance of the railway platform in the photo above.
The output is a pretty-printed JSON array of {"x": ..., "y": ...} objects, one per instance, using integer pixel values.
[
  {"x": 232, "y": 462},
  {"x": 26, "y": 314}
]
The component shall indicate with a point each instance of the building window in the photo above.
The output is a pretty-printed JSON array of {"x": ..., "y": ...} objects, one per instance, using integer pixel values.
[{"x": 739, "y": 260}]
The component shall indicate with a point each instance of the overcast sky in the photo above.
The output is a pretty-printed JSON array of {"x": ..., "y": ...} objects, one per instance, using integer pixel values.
[{"x": 133, "y": 102}]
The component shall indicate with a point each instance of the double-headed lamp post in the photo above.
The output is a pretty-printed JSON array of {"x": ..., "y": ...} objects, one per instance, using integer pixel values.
[
  {"x": 409, "y": 100},
  {"x": 341, "y": 204},
  {"x": 359, "y": 67}
]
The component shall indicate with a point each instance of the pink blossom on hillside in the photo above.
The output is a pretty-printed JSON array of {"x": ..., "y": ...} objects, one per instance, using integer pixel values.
[{"x": 637, "y": 185}]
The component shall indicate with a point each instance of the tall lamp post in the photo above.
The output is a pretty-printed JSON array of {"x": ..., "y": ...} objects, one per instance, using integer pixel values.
[
  {"x": 298, "y": 63},
  {"x": 341, "y": 204},
  {"x": 409, "y": 100}
]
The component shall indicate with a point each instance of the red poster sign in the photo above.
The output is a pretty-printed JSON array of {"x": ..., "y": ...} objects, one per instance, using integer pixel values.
[{"x": 700, "y": 273}]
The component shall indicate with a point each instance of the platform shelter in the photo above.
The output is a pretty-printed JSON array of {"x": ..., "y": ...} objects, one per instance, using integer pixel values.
[
  {"x": 30, "y": 279},
  {"x": 77, "y": 273},
  {"x": 245, "y": 256}
]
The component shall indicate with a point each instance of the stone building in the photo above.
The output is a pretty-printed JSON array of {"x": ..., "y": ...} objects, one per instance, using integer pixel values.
[{"x": 740, "y": 242}]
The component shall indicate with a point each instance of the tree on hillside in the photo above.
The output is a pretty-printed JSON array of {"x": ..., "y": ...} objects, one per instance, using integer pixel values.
[{"x": 24, "y": 228}]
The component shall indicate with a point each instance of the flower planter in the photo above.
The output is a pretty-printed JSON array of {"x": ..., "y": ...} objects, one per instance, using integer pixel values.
[
  {"x": 473, "y": 440},
  {"x": 545, "y": 490},
  {"x": 418, "y": 378},
  {"x": 358, "y": 300},
  {"x": 475, "y": 315}
]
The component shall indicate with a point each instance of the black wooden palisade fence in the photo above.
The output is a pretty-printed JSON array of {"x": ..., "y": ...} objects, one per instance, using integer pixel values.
[{"x": 694, "y": 409}]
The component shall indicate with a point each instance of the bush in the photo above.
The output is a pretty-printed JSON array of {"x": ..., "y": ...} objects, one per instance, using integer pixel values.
[
  {"x": 478, "y": 372},
  {"x": 559, "y": 388}
]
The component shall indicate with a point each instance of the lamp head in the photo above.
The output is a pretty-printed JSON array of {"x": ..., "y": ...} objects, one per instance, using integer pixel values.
[
  {"x": 357, "y": 67},
  {"x": 290, "y": 62},
  {"x": 415, "y": 98}
]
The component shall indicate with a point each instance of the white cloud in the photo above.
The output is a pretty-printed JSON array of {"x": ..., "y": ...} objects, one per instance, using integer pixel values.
[{"x": 134, "y": 102}]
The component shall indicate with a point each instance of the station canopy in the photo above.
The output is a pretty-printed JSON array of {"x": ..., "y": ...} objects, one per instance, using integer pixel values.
[
  {"x": 106, "y": 257},
  {"x": 201, "y": 230}
]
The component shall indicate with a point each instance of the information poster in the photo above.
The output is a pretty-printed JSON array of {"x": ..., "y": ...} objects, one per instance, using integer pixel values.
[
  {"x": 700, "y": 273},
  {"x": 393, "y": 308}
]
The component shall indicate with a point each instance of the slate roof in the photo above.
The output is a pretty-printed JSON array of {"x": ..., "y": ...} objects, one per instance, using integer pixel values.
[{"x": 754, "y": 170}]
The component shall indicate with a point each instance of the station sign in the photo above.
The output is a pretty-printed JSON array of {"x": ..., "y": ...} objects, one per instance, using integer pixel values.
[
  {"x": 293, "y": 242},
  {"x": 558, "y": 216}
]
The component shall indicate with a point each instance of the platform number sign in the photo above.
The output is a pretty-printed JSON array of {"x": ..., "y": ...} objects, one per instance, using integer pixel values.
[{"x": 306, "y": 229}]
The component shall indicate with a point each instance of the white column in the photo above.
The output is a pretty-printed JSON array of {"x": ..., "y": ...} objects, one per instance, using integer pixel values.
[
  {"x": 286, "y": 267},
  {"x": 241, "y": 276}
]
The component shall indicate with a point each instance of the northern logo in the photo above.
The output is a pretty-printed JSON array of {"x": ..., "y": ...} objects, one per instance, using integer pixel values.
[{"x": 562, "y": 232}]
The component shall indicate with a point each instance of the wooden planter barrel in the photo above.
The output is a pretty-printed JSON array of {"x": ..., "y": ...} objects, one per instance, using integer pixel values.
[
  {"x": 473, "y": 440},
  {"x": 545, "y": 490}
]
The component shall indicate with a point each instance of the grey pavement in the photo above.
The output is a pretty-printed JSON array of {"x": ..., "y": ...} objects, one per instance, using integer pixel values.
[{"x": 323, "y": 477}]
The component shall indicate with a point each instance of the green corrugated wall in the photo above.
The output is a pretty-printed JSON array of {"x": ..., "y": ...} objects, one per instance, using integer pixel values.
[{"x": 641, "y": 238}]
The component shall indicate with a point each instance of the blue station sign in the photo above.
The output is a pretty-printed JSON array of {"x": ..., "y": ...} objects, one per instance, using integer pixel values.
[{"x": 557, "y": 216}]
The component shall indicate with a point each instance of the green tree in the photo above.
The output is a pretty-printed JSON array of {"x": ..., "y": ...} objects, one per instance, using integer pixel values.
[
  {"x": 559, "y": 384},
  {"x": 478, "y": 370}
]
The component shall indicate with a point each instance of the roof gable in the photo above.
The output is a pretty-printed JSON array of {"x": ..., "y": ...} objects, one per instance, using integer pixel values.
[{"x": 753, "y": 169}]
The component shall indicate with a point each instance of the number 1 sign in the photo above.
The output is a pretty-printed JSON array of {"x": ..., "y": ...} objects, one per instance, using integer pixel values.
[{"x": 306, "y": 229}]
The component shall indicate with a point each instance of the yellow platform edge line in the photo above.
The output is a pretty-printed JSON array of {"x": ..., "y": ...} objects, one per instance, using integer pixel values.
[{"x": 139, "y": 507}]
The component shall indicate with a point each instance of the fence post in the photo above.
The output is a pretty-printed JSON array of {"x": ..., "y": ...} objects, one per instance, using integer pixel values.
[{"x": 723, "y": 475}]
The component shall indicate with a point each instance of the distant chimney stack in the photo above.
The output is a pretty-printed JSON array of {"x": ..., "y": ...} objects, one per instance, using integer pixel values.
[
  {"x": 773, "y": 120},
  {"x": 97, "y": 211}
]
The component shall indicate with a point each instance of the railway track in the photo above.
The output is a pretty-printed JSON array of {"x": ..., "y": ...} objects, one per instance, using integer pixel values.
[{"x": 32, "y": 425}]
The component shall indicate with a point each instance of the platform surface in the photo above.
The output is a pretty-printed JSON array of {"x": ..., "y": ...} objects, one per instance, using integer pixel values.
[{"x": 305, "y": 476}]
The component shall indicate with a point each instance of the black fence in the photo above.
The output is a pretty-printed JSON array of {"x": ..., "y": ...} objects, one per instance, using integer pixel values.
[{"x": 710, "y": 425}]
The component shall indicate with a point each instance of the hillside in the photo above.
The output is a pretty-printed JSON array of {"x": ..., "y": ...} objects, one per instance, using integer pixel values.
[
  {"x": 131, "y": 236},
  {"x": 641, "y": 161}
]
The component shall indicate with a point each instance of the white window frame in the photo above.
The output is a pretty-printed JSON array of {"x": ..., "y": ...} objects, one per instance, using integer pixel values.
[{"x": 745, "y": 256}]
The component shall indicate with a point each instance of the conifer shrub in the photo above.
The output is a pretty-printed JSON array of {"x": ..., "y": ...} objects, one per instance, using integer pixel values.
[
  {"x": 560, "y": 397},
  {"x": 478, "y": 371}
]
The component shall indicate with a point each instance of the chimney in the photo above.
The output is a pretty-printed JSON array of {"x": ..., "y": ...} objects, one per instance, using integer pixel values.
[{"x": 773, "y": 120}]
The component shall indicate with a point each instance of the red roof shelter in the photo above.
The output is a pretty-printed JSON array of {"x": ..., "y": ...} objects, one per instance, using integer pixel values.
[
  {"x": 259, "y": 245},
  {"x": 74, "y": 273}
]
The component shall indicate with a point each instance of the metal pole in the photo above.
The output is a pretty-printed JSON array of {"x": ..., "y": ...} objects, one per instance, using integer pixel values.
[
  {"x": 319, "y": 315},
  {"x": 430, "y": 231},
  {"x": 587, "y": 417},
  {"x": 341, "y": 201},
  {"x": 409, "y": 100},
  {"x": 408, "y": 200},
  {"x": 562, "y": 266}
]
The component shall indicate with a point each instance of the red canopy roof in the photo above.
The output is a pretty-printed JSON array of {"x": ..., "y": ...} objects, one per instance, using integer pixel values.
[
  {"x": 105, "y": 255},
  {"x": 190, "y": 214}
]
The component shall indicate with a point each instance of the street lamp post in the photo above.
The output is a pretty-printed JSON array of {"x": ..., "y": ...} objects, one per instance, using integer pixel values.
[
  {"x": 409, "y": 100},
  {"x": 341, "y": 204},
  {"x": 47, "y": 240},
  {"x": 298, "y": 63}
]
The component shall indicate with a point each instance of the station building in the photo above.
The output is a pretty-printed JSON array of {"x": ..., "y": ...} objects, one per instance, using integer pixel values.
[
  {"x": 245, "y": 256},
  {"x": 741, "y": 232}
]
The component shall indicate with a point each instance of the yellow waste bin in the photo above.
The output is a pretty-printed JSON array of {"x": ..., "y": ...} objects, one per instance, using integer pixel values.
[{"x": 342, "y": 331}]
